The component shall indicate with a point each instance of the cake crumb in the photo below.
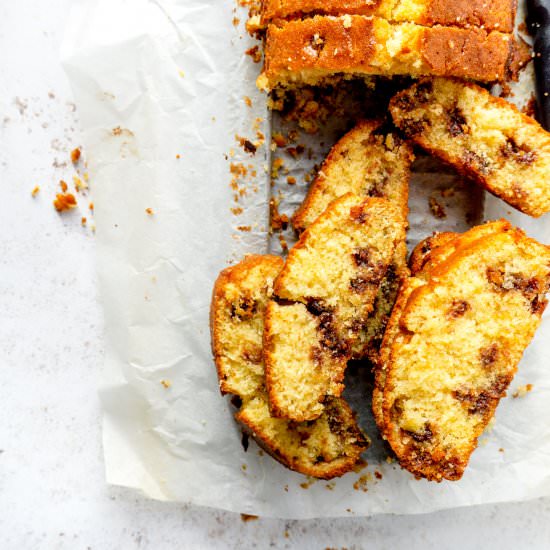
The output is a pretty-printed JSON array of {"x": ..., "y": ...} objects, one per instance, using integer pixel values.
[
  {"x": 248, "y": 517},
  {"x": 277, "y": 221},
  {"x": 63, "y": 185},
  {"x": 438, "y": 210},
  {"x": 75, "y": 155},
  {"x": 35, "y": 191},
  {"x": 254, "y": 53},
  {"x": 236, "y": 21},
  {"x": 83, "y": 221},
  {"x": 390, "y": 460},
  {"x": 501, "y": 450},
  {"x": 64, "y": 201},
  {"x": 236, "y": 211},
  {"x": 361, "y": 483},
  {"x": 378, "y": 474},
  {"x": 91, "y": 206},
  {"x": 178, "y": 156},
  {"x": 279, "y": 139},
  {"x": 166, "y": 383},
  {"x": 247, "y": 101},
  {"x": 307, "y": 484},
  {"x": 276, "y": 165},
  {"x": 149, "y": 211},
  {"x": 244, "y": 228},
  {"x": 522, "y": 391},
  {"x": 291, "y": 180},
  {"x": 79, "y": 185}
]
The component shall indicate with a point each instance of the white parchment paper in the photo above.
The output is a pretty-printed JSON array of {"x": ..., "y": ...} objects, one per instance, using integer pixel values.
[{"x": 154, "y": 80}]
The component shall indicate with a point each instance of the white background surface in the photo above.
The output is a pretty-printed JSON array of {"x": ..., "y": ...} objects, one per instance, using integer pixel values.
[{"x": 52, "y": 490}]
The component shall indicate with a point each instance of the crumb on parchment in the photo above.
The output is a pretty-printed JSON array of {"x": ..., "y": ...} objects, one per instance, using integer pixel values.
[
  {"x": 75, "y": 155},
  {"x": 64, "y": 201},
  {"x": 64, "y": 186},
  {"x": 248, "y": 517},
  {"x": 35, "y": 191},
  {"x": 166, "y": 383},
  {"x": 149, "y": 211},
  {"x": 522, "y": 391}
]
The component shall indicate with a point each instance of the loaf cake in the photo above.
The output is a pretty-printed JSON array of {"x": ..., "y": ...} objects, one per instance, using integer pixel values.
[
  {"x": 322, "y": 297},
  {"x": 456, "y": 345},
  {"x": 322, "y": 49},
  {"x": 371, "y": 161},
  {"x": 483, "y": 137},
  {"x": 491, "y": 15},
  {"x": 325, "y": 448}
]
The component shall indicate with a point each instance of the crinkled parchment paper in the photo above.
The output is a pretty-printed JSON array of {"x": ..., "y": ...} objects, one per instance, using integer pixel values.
[{"x": 158, "y": 79}]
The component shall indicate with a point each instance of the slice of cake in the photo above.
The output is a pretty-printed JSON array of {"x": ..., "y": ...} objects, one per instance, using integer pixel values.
[
  {"x": 459, "y": 339},
  {"x": 322, "y": 297},
  {"x": 483, "y": 137},
  {"x": 495, "y": 15},
  {"x": 325, "y": 448},
  {"x": 371, "y": 161},
  {"x": 320, "y": 49}
]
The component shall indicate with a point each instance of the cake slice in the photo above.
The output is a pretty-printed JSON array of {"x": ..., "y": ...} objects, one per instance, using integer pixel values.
[
  {"x": 460, "y": 337},
  {"x": 495, "y": 15},
  {"x": 426, "y": 256},
  {"x": 371, "y": 161},
  {"x": 322, "y": 297},
  {"x": 483, "y": 137},
  {"x": 325, "y": 448},
  {"x": 323, "y": 49}
]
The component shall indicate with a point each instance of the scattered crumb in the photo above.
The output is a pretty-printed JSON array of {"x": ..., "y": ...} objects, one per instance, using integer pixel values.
[
  {"x": 291, "y": 180},
  {"x": 284, "y": 244},
  {"x": 83, "y": 221},
  {"x": 438, "y": 210},
  {"x": 236, "y": 211},
  {"x": 501, "y": 450},
  {"x": 286, "y": 488},
  {"x": 277, "y": 222},
  {"x": 279, "y": 139},
  {"x": 247, "y": 145},
  {"x": 361, "y": 483},
  {"x": 91, "y": 206},
  {"x": 236, "y": 21},
  {"x": 79, "y": 185},
  {"x": 166, "y": 383},
  {"x": 64, "y": 201},
  {"x": 506, "y": 90},
  {"x": 522, "y": 391},
  {"x": 286, "y": 534},
  {"x": 247, "y": 101},
  {"x": 390, "y": 460},
  {"x": 295, "y": 152},
  {"x": 248, "y": 517},
  {"x": 243, "y": 467},
  {"x": 330, "y": 486},
  {"x": 75, "y": 155},
  {"x": 35, "y": 191},
  {"x": 64, "y": 186},
  {"x": 254, "y": 53},
  {"x": 530, "y": 107},
  {"x": 149, "y": 211},
  {"x": 378, "y": 474},
  {"x": 178, "y": 156},
  {"x": 307, "y": 484},
  {"x": 244, "y": 228},
  {"x": 276, "y": 165},
  {"x": 360, "y": 465}
]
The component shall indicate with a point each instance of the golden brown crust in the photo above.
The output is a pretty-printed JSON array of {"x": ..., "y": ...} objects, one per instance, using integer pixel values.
[
  {"x": 512, "y": 163},
  {"x": 514, "y": 286},
  {"x": 422, "y": 251},
  {"x": 495, "y": 15},
  {"x": 308, "y": 51}
]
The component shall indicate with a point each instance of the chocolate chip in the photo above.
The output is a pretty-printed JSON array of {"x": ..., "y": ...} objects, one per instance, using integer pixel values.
[
  {"x": 361, "y": 257},
  {"x": 457, "y": 124},
  {"x": 458, "y": 309},
  {"x": 411, "y": 127},
  {"x": 358, "y": 214},
  {"x": 316, "y": 306},
  {"x": 420, "y": 437},
  {"x": 245, "y": 308},
  {"x": 477, "y": 162},
  {"x": 519, "y": 153},
  {"x": 489, "y": 355}
]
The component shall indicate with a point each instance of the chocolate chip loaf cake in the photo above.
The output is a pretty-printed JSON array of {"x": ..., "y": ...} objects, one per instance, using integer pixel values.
[
  {"x": 491, "y": 15},
  {"x": 458, "y": 341},
  {"x": 320, "y": 49},
  {"x": 322, "y": 297},
  {"x": 325, "y": 448},
  {"x": 371, "y": 161},
  {"x": 483, "y": 137}
]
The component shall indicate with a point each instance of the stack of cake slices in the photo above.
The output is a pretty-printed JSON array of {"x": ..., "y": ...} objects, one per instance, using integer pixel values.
[{"x": 315, "y": 42}]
